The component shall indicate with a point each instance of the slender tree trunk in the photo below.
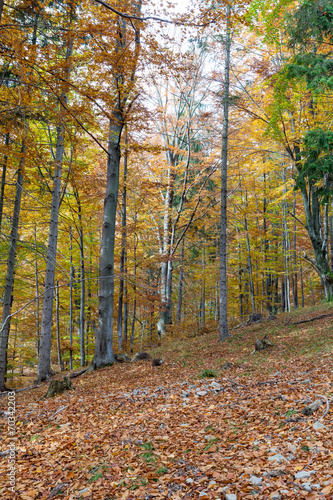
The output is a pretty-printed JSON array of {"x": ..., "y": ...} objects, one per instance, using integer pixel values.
[
  {"x": 217, "y": 289},
  {"x": 169, "y": 294},
  {"x": 249, "y": 262},
  {"x": 89, "y": 321},
  {"x": 312, "y": 292},
  {"x": 44, "y": 361},
  {"x": 82, "y": 301},
  {"x": 302, "y": 284},
  {"x": 60, "y": 363},
  {"x": 295, "y": 276},
  {"x": 125, "y": 326},
  {"x": 83, "y": 282},
  {"x": 71, "y": 299},
  {"x": 123, "y": 254},
  {"x": 3, "y": 181},
  {"x": 223, "y": 320},
  {"x": 134, "y": 290},
  {"x": 240, "y": 281},
  {"x": 180, "y": 284},
  {"x": 331, "y": 238},
  {"x": 37, "y": 296},
  {"x": 203, "y": 297},
  {"x": 8, "y": 295},
  {"x": 1, "y": 8}
]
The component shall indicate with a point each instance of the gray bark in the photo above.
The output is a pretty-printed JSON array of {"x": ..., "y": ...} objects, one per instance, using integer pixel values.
[
  {"x": 82, "y": 301},
  {"x": 249, "y": 263},
  {"x": 134, "y": 287},
  {"x": 60, "y": 363},
  {"x": 3, "y": 181},
  {"x": 318, "y": 235},
  {"x": 44, "y": 360},
  {"x": 223, "y": 319},
  {"x": 180, "y": 285},
  {"x": 83, "y": 282},
  {"x": 71, "y": 300},
  {"x": 121, "y": 335},
  {"x": 331, "y": 240},
  {"x": 37, "y": 296},
  {"x": 7, "y": 300},
  {"x": 104, "y": 335}
]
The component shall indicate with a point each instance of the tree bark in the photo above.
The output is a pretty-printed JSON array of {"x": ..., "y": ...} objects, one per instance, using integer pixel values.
[
  {"x": 3, "y": 181},
  {"x": 134, "y": 287},
  {"x": 180, "y": 284},
  {"x": 44, "y": 361},
  {"x": 223, "y": 320},
  {"x": 8, "y": 295},
  {"x": 37, "y": 296},
  {"x": 120, "y": 333},
  {"x": 1, "y": 8},
  {"x": 83, "y": 282},
  {"x": 60, "y": 363},
  {"x": 71, "y": 299},
  {"x": 104, "y": 335},
  {"x": 318, "y": 235}
]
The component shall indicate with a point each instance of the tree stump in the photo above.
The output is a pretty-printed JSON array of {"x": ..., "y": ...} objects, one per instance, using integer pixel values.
[
  {"x": 262, "y": 344},
  {"x": 254, "y": 318},
  {"x": 122, "y": 357},
  {"x": 311, "y": 408},
  {"x": 157, "y": 362},
  {"x": 58, "y": 387}
]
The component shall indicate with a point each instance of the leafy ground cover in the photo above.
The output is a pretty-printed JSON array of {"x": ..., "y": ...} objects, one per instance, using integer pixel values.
[{"x": 214, "y": 421}]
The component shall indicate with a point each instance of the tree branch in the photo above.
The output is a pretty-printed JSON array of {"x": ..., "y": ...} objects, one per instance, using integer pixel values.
[{"x": 153, "y": 18}]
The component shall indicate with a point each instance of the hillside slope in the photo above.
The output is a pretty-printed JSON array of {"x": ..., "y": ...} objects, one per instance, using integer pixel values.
[{"x": 214, "y": 421}]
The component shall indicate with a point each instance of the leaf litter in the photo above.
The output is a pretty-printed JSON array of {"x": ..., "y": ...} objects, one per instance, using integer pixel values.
[{"x": 133, "y": 431}]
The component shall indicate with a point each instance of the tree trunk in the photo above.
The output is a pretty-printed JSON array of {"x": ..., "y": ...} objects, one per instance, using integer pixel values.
[
  {"x": 166, "y": 265},
  {"x": 180, "y": 285},
  {"x": 318, "y": 235},
  {"x": 331, "y": 238},
  {"x": 103, "y": 342},
  {"x": 302, "y": 284},
  {"x": 8, "y": 295},
  {"x": 223, "y": 320},
  {"x": 71, "y": 299},
  {"x": 37, "y": 296},
  {"x": 1, "y": 8},
  {"x": 203, "y": 296},
  {"x": 44, "y": 361},
  {"x": 249, "y": 263},
  {"x": 3, "y": 181},
  {"x": 60, "y": 363},
  {"x": 83, "y": 282},
  {"x": 104, "y": 334},
  {"x": 120, "y": 332},
  {"x": 134, "y": 288}
]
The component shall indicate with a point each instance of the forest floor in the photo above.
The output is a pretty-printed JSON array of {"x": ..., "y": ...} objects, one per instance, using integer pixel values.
[{"x": 133, "y": 431}]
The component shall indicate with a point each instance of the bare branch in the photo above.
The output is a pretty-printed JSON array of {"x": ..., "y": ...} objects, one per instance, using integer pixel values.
[{"x": 153, "y": 18}]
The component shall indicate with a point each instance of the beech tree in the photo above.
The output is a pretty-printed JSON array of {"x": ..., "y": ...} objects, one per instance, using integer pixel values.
[
  {"x": 308, "y": 143},
  {"x": 125, "y": 64},
  {"x": 44, "y": 360}
]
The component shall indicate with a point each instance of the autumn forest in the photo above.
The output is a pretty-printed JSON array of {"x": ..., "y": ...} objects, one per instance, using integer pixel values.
[{"x": 162, "y": 168}]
